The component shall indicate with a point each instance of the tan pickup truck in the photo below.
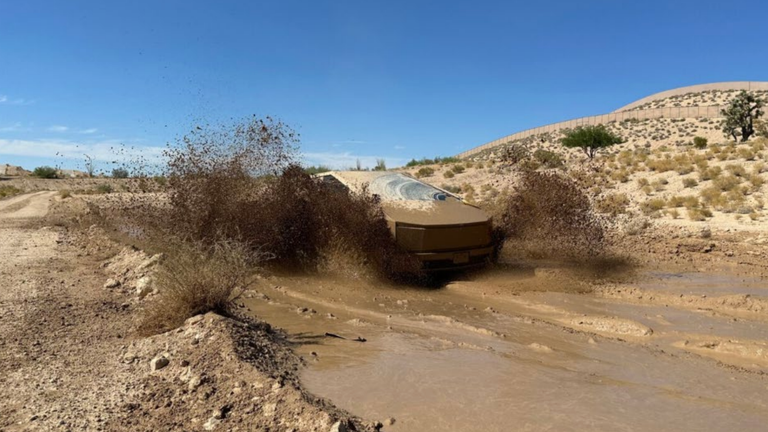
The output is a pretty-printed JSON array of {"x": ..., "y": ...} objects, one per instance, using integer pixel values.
[{"x": 440, "y": 229}]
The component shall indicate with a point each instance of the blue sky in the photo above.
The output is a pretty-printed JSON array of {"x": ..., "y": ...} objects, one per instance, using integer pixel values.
[{"x": 357, "y": 79}]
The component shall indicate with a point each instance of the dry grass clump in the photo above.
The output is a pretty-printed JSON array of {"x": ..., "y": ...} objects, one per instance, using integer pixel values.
[
  {"x": 698, "y": 214},
  {"x": 612, "y": 204},
  {"x": 195, "y": 279},
  {"x": 64, "y": 194},
  {"x": 690, "y": 182},
  {"x": 652, "y": 206},
  {"x": 8, "y": 191},
  {"x": 710, "y": 173}
]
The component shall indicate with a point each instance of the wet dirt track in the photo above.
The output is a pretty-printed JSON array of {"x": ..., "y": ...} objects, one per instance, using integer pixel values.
[{"x": 533, "y": 348}]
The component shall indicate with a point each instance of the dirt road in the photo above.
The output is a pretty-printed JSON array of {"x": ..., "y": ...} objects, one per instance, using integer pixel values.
[{"x": 70, "y": 359}]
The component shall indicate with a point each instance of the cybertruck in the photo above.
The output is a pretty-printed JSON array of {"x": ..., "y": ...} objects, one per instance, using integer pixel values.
[{"x": 437, "y": 227}]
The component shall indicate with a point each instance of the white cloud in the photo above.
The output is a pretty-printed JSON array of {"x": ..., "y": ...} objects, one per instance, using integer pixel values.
[
  {"x": 12, "y": 128},
  {"x": 58, "y": 128},
  {"x": 105, "y": 151},
  {"x": 8, "y": 101},
  {"x": 89, "y": 131},
  {"x": 346, "y": 160},
  {"x": 399, "y": 147}
]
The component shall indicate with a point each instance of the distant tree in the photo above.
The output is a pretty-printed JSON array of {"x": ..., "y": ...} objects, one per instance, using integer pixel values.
[
  {"x": 120, "y": 173},
  {"x": 381, "y": 165},
  {"x": 358, "y": 165},
  {"x": 46, "y": 172},
  {"x": 740, "y": 116},
  {"x": 590, "y": 139}
]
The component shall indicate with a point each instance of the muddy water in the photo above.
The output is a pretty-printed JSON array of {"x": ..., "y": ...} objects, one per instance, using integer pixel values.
[{"x": 525, "y": 350}]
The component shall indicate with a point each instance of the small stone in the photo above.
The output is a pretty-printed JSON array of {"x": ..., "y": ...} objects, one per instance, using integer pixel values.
[
  {"x": 705, "y": 232},
  {"x": 111, "y": 283},
  {"x": 339, "y": 427},
  {"x": 211, "y": 423},
  {"x": 194, "y": 383},
  {"x": 729, "y": 253},
  {"x": 158, "y": 363},
  {"x": 144, "y": 286},
  {"x": 184, "y": 363},
  {"x": 389, "y": 422}
]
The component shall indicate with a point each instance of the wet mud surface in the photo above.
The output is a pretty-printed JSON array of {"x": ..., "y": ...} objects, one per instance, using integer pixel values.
[{"x": 537, "y": 347}]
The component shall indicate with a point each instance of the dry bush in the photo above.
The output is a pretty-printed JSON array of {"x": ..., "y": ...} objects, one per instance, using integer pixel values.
[
  {"x": 8, "y": 191},
  {"x": 690, "y": 182},
  {"x": 550, "y": 217},
  {"x": 195, "y": 279},
  {"x": 425, "y": 172},
  {"x": 612, "y": 204},
  {"x": 652, "y": 206},
  {"x": 710, "y": 173},
  {"x": 698, "y": 214}
]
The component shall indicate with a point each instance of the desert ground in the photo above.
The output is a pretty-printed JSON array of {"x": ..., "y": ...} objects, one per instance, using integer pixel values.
[
  {"x": 673, "y": 338},
  {"x": 666, "y": 330}
]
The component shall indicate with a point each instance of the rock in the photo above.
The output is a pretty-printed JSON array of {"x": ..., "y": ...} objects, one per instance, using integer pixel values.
[
  {"x": 194, "y": 383},
  {"x": 729, "y": 253},
  {"x": 158, "y": 363},
  {"x": 112, "y": 283},
  {"x": 211, "y": 423},
  {"x": 389, "y": 422},
  {"x": 151, "y": 261},
  {"x": 270, "y": 409},
  {"x": 144, "y": 286},
  {"x": 705, "y": 232},
  {"x": 339, "y": 427}
]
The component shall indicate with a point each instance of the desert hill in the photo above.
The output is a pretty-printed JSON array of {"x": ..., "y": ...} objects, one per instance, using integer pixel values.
[{"x": 657, "y": 174}]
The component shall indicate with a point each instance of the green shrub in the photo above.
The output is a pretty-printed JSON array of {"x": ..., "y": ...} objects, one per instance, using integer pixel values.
[
  {"x": 6, "y": 191},
  {"x": 458, "y": 169},
  {"x": 448, "y": 174},
  {"x": 425, "y": 172},
  {"x": 700, "y": 142},
  {"x": 120, "y": 173},
  {"x": 548, "y": 158},
  {"x": 45, "y": 172},
  {"x": 104, "y": 188}
]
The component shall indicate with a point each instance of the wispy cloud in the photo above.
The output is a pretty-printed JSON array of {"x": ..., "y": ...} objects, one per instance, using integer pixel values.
[
  {"x": 58, "y": 128},
  {"x": 346, "y": 160},
  {"x": 89, "y": 131},
  {"x": 16, "y": 127},
  {"x": 104, "y": 151},
  {"x": 8, "y": 101},
  {"x": 399, "y": 147}
]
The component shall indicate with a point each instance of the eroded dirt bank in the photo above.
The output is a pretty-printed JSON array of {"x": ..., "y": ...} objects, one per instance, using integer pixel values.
[{"x": 70, "y": 358}]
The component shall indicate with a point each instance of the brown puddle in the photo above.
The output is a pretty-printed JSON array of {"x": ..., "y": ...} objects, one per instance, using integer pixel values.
[{"x": 499, "y": 352}]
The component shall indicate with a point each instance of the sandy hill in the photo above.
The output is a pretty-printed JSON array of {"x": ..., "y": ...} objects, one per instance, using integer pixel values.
[{"x": 657, "y": 174}]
